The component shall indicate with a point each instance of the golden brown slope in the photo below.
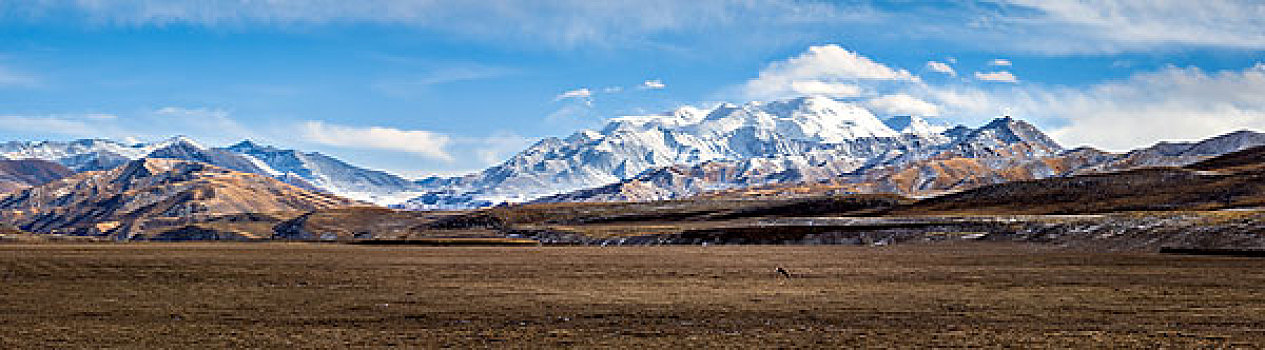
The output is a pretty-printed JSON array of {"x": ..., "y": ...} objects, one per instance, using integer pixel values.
[
  {"x": 1235, "y": 180},
  {"x": 16, "y": 175},
  {"x": 120, "y": 201}
]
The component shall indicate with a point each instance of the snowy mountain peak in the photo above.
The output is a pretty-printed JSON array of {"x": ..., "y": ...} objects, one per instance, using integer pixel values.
[
  {"x": 180, "y": 141},
  {"x": 774, "y": 136},
  {"x": 911, "y": 125},
  {"x": 248, "y": 146}
]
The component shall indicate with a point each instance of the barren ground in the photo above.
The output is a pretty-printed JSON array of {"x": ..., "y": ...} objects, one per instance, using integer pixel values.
[{"x": 333, "y": 295}]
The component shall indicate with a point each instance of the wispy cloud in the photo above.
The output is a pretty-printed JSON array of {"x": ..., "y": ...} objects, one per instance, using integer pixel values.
[
  {"x": 1056, "y": 27},
  {"x": 941, "y": 67},
  {"x": 998, "y": 76},
  {"x": 410, "y": 86},
  {"x": 424, "y": 143},
  {"x": 654, "y": 84},
  {"x": 563, "y": 23},
  {"x": 83, "y": 125},
  {"x": 1000, "y": 62},
  {"x": 1172, "y": 103},
  {"x": 581, "y": 94},
  {"x": 1132, "y": 25}
]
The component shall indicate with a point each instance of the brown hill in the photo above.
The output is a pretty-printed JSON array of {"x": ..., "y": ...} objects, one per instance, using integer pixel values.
[
  {"x": 120, "y": 202},
  {"x": 19, "y": 174},
  {"x": 1235, "y": 180}
]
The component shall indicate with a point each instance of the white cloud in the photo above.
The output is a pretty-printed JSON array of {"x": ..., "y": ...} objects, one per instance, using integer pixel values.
[
  {"x": 79, "y": 126},
  {"x": 941, "y": 67},
  {"x": 425, "y": 143},
  {"x": 1039, "y": 26},
  {"x": 819, "y": 88},
  {"x": 206, "y": 124},
  {"x": 1134, "y": 25},
  {"x": 998, "y": 76},
  {"x": 1000, "y": 62},
  {"x": 655, "y": 84},
  {"x": 1170, "y": 104},
  {"x": 902, "y": 104},
  {"x": 826, "y": 64},
  {"x": 581, "y": 94},
  {"x": 192, "y": 112},
  {"x": 612, "y": 89},
  {"x": 561, "y": 23}
]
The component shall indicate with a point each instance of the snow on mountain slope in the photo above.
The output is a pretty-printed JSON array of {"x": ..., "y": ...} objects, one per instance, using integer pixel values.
[
  {"x": 79, "y": 155},
  {"x": 311, "y": 171},
  {"x": 327, "y": 173},
  {"x": 997, "y": 145},
  {"x": 911, "y": 125},
  {"x": 794, "y": 135}
]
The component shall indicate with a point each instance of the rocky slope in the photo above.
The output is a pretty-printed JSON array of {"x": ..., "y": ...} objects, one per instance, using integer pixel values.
[
  {"x": 19, "y": 174},
  {"x": 123, "y": 201},
  {"x": 1234, "y": 181}
]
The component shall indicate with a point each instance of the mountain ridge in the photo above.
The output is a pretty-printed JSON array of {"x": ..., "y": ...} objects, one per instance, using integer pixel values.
[
  {"x": 130, "y": 199},
  {"x": 308, "y": 170}
]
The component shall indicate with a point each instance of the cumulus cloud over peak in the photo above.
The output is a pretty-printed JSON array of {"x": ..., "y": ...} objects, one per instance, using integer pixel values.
[
  {"x": 821, "y": 88},
  {"x": 902, "y": 104},
  {"x": 821, "y": 68}
]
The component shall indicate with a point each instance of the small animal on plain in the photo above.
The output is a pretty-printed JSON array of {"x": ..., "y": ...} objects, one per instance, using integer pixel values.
[{"x": 783, "y": 272}]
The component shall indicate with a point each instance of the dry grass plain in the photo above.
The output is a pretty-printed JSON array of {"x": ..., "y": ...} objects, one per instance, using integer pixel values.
[{"x": 332, "y": 295}]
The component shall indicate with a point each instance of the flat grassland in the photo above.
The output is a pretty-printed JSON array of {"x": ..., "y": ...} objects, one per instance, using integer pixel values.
[{"x": 332, "y": 295}]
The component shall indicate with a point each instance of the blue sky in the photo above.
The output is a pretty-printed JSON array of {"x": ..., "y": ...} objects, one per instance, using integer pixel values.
[{"x": 445, "y": 87}]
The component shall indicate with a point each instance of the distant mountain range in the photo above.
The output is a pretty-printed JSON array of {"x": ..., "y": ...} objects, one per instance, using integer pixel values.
[
  {"x": 803, "y": 145},
  {"x": 313, "y": 171},
  {"x": 815, "y": 143}
]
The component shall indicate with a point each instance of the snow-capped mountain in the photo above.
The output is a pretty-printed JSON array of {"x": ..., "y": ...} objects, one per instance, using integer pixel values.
[
  {"x": 912, "y": 125},
  {"x": 327, "y": 173},
  {"x": 312, "y": 171},
  {"x": 82, "y": 155},
  {"x": 996, "y": 144},
  {"x": 805, "y": 134}
]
